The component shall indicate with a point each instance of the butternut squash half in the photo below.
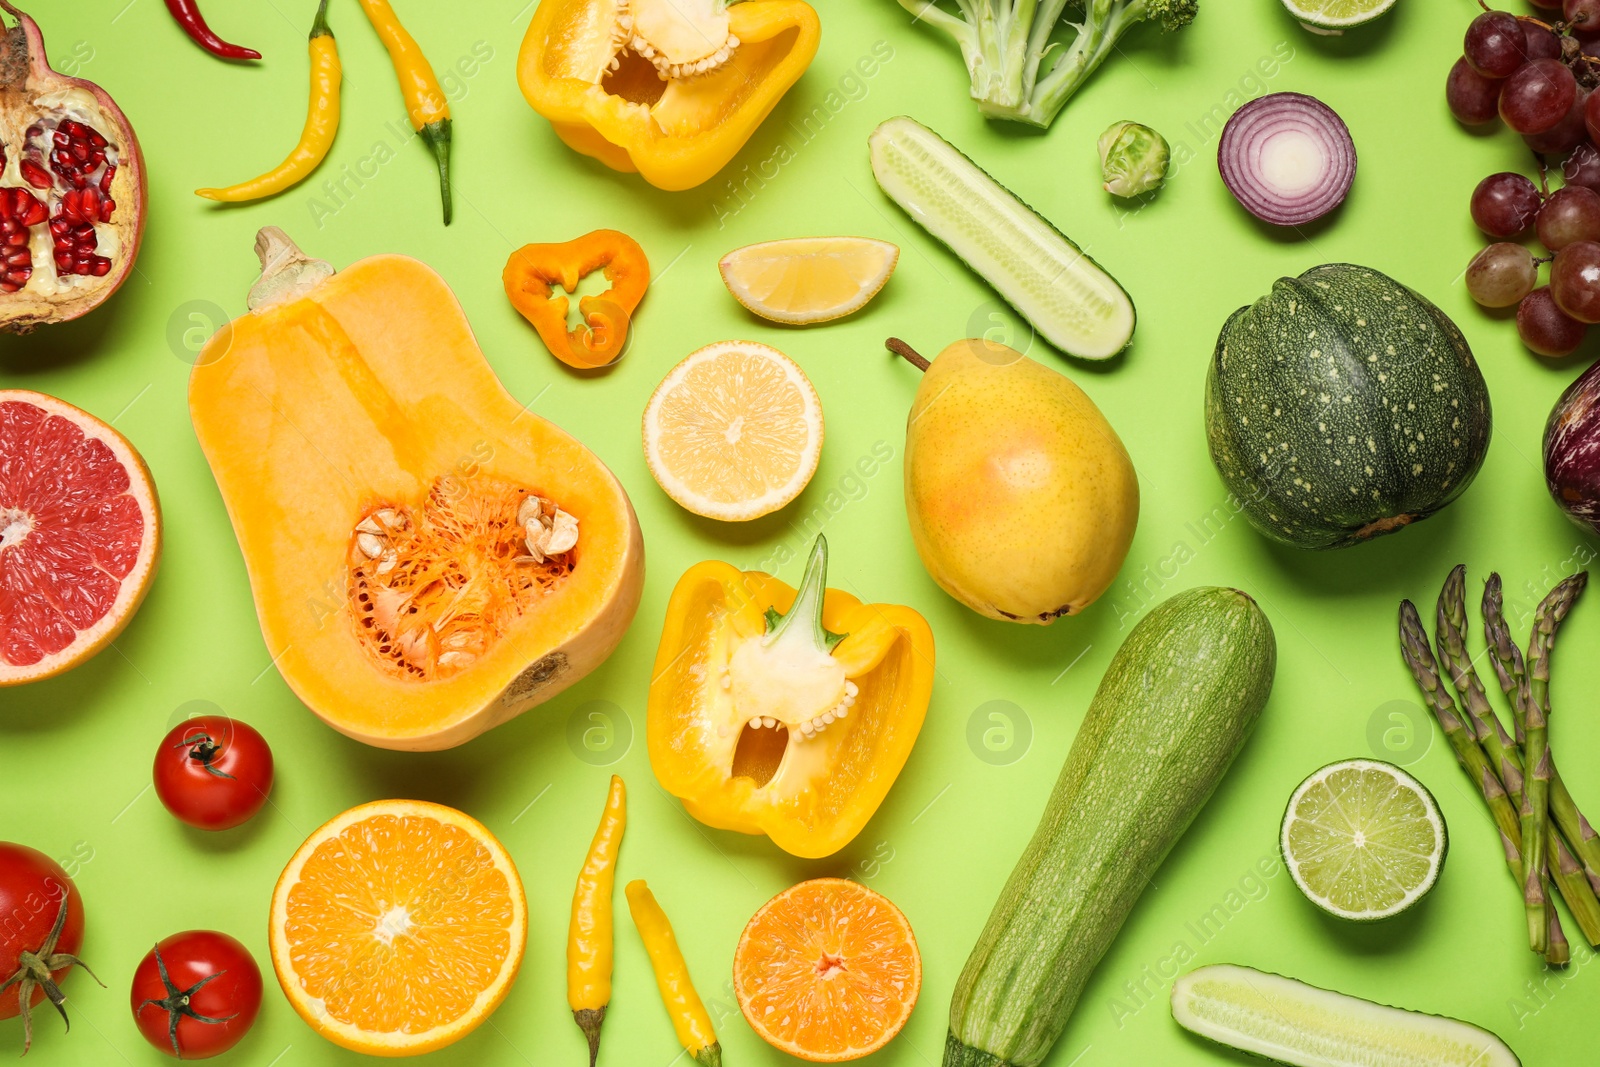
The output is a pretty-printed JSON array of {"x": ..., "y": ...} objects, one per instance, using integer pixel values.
[{"x": 428, "y": 558}]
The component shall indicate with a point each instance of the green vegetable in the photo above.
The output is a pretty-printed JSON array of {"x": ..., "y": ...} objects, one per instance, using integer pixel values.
[
  {"x": 1343, "y": 406},
  {"x": 1506, "y": 658},
  {"x": 1564, "y": 869},
  {"x": 1363, "y": 840},
  {"x": 1536, "y": 795},
  {"x": 1064, "y": 294},
  {"x": 1133, "y": 159},
  {"x": 1019, "y": 69},
  {"x": 1176, "y": 705},
  {"x": 1299, "y": 1024}
]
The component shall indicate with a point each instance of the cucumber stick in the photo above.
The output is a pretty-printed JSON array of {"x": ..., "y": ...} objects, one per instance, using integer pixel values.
[
  {"x": 1176, "y": 705},
  {"x": 1295, "y": 1023},
  {"x": 1068, "y": 299}
]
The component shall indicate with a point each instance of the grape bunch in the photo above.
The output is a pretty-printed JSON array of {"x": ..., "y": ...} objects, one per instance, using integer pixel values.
[{"x": 1539, "y": 79}]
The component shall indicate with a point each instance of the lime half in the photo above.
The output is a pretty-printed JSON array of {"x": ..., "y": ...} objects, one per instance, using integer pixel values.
[
  {"x": 1363, "y": 839},
  {"x": 1336, "y": 16}
]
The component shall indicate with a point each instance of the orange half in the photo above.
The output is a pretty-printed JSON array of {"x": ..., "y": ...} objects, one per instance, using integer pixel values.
[
  {"x": 398, "y": 927},
  {"x": 827, "y": 971}
]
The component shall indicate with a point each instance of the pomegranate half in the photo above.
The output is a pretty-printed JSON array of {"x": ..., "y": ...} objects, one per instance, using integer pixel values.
[{"x": 72, "y": 187}]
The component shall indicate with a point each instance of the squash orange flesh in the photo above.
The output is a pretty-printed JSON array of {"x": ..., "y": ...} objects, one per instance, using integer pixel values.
[{"x": 371, "y": 392}]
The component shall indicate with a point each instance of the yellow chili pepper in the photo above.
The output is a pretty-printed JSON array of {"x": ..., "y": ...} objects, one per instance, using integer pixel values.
[
  {"x": 322, "y": 123},
  {"x": 689, "y": 1017},
  {"x": 425, "y": 101},
  {"x": 589, "y": 934}
]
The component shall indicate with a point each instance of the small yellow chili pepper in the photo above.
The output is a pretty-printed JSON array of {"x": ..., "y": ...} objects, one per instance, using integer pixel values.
[
  {"x": 689, "y": 1017},
  {"x": 425, "y": 101},
  {"x": 589, "y": 934},
  {"x": 322, "y": 123}
]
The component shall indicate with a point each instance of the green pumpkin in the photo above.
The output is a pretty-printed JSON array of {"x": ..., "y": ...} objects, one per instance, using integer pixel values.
[{"x": 1342, "y": 406}]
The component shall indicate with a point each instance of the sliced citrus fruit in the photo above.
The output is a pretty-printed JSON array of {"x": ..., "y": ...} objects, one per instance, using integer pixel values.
[
  {"x": 1335, "y": 16},
  {"x": 398, "y": 927},
  {"x": 80, "y": 529},
  {"x": 827, "y": 971},
  {"x": 734, "y": 431},
  {"x": 808, "y": 280},
  {"x": 1363, "y": 839}
]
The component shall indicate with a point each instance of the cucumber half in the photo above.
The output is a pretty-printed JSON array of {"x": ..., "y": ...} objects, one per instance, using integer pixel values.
[
  {"x": 1298, "y": 1024},
  {"x": 1068, "y": 299}
]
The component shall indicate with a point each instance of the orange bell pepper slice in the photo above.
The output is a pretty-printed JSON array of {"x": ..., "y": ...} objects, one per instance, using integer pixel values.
[{"x": 534, "y": 270}]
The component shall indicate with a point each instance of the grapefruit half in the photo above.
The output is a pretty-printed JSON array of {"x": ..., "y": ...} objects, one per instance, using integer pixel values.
[{"x": 80, "y": 529}]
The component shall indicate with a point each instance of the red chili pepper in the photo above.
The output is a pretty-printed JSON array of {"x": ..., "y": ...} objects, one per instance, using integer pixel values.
[{"x": 187, "y": 12}]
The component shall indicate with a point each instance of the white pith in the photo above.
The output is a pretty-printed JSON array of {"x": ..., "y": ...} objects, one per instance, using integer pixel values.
[
  {"x": 78, "y": 105},
  {"x": 680, "y": 38}
]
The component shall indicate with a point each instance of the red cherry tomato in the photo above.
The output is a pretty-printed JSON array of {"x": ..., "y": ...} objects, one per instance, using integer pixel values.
[
  {"x": 41, "y": 931},
  {"x": 196, "y": 994},
  {"x": 213, "y": 772}
]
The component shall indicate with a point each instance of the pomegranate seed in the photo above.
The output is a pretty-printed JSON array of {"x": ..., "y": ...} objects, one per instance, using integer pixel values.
[
  {"x": 107, "y": 206},
  {"x": 35, "y": 175},
  {"x": 60, "y": 138},
  {"x": 59, "y": 226},
  {"x": 89, "y": 204},
  {"x": 102, "y": 267},
  {"x": 96, "y": 139},
  {"x": 105, "y": 179}
]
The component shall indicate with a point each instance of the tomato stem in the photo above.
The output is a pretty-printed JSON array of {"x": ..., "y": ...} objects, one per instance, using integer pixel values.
[
  {"x": 176, "y": 1003},
  {"x": 36, "y": 970}
]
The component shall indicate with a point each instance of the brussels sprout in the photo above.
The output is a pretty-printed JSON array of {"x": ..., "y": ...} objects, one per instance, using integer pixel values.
[{"x": 1133, "y": 159}]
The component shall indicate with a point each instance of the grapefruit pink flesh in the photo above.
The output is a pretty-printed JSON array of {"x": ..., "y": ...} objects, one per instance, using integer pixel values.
[{"x": 78, "y": 534}]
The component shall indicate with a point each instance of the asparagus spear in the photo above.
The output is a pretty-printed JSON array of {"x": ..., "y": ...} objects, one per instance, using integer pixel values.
[
  {"x": 1419, "y": 658},
  {"x": 1451, "y": 635},
  {"x": 1501, "y": 750},
  {"x": 1535, "y": 814},
  {"x": 1508, "y": 668}
]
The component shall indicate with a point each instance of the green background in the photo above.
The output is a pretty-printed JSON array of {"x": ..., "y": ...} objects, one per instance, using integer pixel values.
[{"x": 75, "y": 751}]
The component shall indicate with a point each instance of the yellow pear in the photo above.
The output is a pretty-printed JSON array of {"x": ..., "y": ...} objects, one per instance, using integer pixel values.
[{"x": 1021, "y": 498}]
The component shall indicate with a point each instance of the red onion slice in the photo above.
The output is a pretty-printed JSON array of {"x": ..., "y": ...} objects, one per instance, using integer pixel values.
[{"x": 1287, "y": 158}]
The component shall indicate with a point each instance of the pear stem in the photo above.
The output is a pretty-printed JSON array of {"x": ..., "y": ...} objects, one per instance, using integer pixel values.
[{"x": 906, "y": 352}]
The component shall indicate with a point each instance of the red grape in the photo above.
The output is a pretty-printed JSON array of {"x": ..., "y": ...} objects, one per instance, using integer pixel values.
[
  {"x": 1570, "y": 215},
  {"x": 1538, "y": 96},
  {"x": 1545, "y": 328},
  {"x": 1501, "y": 275},
  {"x": 1495, "y": 44},
  {"x": 1540, "y": 43},
  {"x": 1583, "y": 166},
  {"x": 1473, "y": 99},
  {"x": 1565, "y": 135},
  {"x": 1505, "y": 204},
  {"x": 1584, "y": 14},
  {"x": 1575, "y": 280}
]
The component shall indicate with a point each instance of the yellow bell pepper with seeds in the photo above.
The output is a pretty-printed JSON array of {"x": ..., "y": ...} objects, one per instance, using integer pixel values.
[
  {"x": 669, "y": 88},
  {"x": 785, "y": 713}
]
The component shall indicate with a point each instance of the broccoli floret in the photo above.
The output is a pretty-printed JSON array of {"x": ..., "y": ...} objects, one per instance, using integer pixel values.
[{"x": 1017, "y": 71}]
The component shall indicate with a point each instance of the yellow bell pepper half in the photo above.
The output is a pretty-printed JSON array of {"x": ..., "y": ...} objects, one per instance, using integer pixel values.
[
  {"x": 581, "y": 68},
  {"x": 783, "y": 713}
]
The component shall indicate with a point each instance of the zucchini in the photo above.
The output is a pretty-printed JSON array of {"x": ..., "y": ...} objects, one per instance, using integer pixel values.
[
  {"x": 1068, "y": 299},
  {"x": 1176, "y": 705},
  {"x": 1298, "y": 1024}
]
